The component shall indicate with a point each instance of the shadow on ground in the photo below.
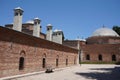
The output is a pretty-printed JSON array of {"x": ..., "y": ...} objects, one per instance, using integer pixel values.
[{"x": 108, "y": 74}]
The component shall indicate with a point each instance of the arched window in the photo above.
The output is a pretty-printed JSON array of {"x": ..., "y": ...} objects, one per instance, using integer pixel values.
[
  {"x": 22, "y": 60},
  {"x": 66, "y": 61},
  {"x": 56, "y": 62},
  {"x": 113, "y": 57},
  {"x": 16, "y": 14},
  {"x": 21, "y": 63},
  {"x": 87, "y": 57},
  {"x": 100, "y": 57},
  {"x": 43, "y": 63}
]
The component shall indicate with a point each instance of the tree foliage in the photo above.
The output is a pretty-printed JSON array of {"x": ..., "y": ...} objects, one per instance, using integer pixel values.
[{"x": 116, "y": 29}]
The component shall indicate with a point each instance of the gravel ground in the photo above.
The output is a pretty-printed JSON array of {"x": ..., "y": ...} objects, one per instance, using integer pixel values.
[{"x": 83, "y": 72}]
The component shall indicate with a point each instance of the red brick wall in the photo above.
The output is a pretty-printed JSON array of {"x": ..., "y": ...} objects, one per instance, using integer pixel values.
[
  {"x": 106, "y": 50},
  {"x": 106, "y": 46},
  {"x": 14, "y": 45},
  {"x": 103, "y": 40},
  {"x": 109, "y": 46},
  {"x": 74, "y": 43},
  {"x": 71, "y": 43}
]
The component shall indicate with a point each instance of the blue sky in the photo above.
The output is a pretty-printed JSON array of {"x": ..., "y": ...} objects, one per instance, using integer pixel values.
[{"x": 74, "y": 17}]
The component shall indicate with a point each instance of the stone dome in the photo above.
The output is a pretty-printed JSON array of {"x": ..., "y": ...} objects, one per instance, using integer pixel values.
[{"x": 104, "y": 32}]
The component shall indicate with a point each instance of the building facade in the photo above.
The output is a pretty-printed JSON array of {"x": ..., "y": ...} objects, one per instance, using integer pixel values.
[
  {"x": 26, "y": 49},
  {"x": 102, "y": 46}
]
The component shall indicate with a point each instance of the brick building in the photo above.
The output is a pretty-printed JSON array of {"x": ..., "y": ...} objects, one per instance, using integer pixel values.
[
  {"x": 25, "y": 49},
  {"x": 102, "y": 46}
]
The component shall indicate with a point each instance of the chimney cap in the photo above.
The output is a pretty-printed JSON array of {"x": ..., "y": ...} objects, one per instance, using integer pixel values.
[
  {"x": 56, "y": 30},
  {"x": 49, "y": 25},
  {"x": 36, "y": 18},
  {"x": 18, "y": 8}
]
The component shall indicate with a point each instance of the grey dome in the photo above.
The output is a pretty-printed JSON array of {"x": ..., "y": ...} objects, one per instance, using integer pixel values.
[{"x": 104, "y": 32}]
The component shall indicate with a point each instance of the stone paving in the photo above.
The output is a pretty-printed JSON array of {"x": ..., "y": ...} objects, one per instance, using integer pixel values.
[{"x": 83, "y": 72}]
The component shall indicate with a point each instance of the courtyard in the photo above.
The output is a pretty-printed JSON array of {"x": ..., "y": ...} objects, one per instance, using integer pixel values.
[{"x": 83, "y": 72}]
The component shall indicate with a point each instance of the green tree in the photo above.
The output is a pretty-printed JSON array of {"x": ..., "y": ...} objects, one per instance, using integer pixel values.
[{"x": 116, "y": 29}]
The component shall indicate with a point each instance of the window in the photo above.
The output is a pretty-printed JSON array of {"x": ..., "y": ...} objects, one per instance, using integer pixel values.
[
  {"x": 21, "y": 63},
  {"x": 74, "y": 60},
  {"x": 43, "y": 62},
  {"x": 48, "y": 29},
  {"x": 57, "y": 62},
  {"x": 16, "y": 14},
  {"x": 22, "y": 60},
  {"x": 59, "y": 33},
  {"x": 20, "y": 14},
  {"x": 66, "y": 62},
  {"x": 35, "y": 23},
  {"x": 113, "y": 58},
  {"x": 100, "y": 57},
  {"x": 87, "y": 57}
]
